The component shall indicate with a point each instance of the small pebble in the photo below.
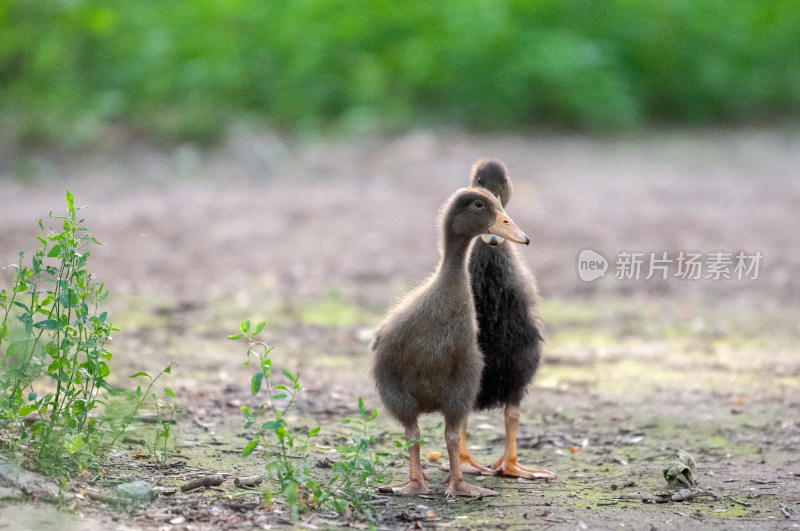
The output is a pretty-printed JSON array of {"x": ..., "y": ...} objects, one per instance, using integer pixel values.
[{"x": 139, "y": 491}]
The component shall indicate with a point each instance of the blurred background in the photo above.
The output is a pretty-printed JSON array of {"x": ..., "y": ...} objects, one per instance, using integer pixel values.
[
  {"x": 287, "y": 159},
  {"x": 84, "y": 72}
]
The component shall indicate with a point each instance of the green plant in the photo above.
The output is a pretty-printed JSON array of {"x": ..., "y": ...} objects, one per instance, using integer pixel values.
[
  {"x": 59, "y": 334},
  {"x": 53, "y": 376},
  {"x": 165, "y": 414},
  {"x": 358, "y": 471},
  {"x": 361, "y": 468},
  {"x": 289, "y": 446}
]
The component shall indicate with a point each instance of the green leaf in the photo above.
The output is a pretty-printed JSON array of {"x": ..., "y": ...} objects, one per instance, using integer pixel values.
[
  {"x": 17, "y": 348},
  {"x": 236, "y": 336},
  {"x": 361, "y": 408},
  {"x": 53, "y": 367},
  {"x": 289, "y": 375},
  {"x": 259, "y": 327},
  {"x": 245, "y": 326},
  {"x": 169, "y": 392},
  {"x": 52, "y": 350},
  {"x": 75, "y": 444},
  {"x": 255, "y": 382},
  {"x": 54, "y": 251},
  {"x": 70, "y": 201},
  {"x": 279, "y": 396},
  {"x": 49, "y": 324},
  {"x": 26, "y": 410},
  {"x": 56, "y": 237},
  {"x": 249, "y": 448},
  {"x": 313, "y": 432},
  {"x": 140, "y": 373},
  {"x": 272, "y": 425}
]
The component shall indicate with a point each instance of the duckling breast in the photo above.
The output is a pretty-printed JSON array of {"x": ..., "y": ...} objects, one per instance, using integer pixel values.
[{"x": 427, "y": 358}]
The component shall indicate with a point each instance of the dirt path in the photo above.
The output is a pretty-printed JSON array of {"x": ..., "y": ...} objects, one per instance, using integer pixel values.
[{"x": 319, "y": 239}]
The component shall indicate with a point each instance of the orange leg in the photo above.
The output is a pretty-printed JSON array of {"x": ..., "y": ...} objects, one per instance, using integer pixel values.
[
  {"x": 507, "y": 465},
  {"x": 459, "y": 487},
  {"x": 416, "y": 477},
  {"x": 468, "y": 464}
]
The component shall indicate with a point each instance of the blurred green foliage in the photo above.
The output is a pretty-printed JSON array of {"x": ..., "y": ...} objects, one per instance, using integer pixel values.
[{"x": 185, "y": 69}]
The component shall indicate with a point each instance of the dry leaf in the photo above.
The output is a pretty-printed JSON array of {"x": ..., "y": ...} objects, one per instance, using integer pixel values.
[
  {"x": 434, "y": 456},
  {"x": 573, "y": 449},
  {"x": 430, "y": 514},
  {"x": 738, "y": 400}
]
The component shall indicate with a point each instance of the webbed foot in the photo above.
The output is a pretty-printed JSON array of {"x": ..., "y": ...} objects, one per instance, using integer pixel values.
[
  {"x": 408, "y": 488},
  {"x": 462, "y": 488},
  {"x": 510, "y": 468}
]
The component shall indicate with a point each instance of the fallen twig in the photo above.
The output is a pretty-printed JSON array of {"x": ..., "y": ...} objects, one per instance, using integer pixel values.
[
  {"x": 206, "y": 481},
  {"x": 740, "y": 502},
  {"x": 248, "y": 481},
  {"x": 638, "y": 496},
  {"x": 785, "y": 511},
  {"x": 678, "y": 496},
  {"x": 682, "y": 495},
  {"x": 109, "y": 499},
  {"x": 154, "y": 420}
]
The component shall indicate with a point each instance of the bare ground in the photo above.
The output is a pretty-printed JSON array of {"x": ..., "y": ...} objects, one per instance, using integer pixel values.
[{"x": 319, "y": 238}]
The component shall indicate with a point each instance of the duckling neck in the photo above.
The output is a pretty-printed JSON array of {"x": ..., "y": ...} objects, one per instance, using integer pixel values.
[{"x": 453, "y": 266}]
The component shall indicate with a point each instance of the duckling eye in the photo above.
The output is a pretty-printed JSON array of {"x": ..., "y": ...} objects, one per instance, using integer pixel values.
[
  {"x": 478, "y": 203},
  {"x": 480, "y": 181}
]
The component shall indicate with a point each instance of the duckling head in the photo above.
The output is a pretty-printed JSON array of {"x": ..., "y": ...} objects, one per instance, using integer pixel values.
[
  {"x": 492, "y": 174},
  {"x": 475, "y": 211}
]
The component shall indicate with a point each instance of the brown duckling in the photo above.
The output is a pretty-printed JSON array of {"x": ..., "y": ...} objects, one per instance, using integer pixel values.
[
  {"x": 426, "y": 352},
  {"x": 509, "y": 328}
]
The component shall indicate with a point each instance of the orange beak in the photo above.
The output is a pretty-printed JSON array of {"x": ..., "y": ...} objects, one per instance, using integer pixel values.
[{"x": 505, "y": 227}]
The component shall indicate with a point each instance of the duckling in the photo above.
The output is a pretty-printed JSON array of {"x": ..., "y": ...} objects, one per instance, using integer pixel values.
[
  {"x": 510, "y": 329},
  {"x": 426, "y": 356}
]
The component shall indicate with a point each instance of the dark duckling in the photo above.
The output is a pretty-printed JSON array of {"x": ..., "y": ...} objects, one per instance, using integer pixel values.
[
  {"x": 510, "y": 329},
  {"x": 426, "y": 352}
]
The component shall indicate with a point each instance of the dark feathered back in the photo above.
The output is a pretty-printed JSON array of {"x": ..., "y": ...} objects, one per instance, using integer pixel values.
[{"x": 506, "y": 306}]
